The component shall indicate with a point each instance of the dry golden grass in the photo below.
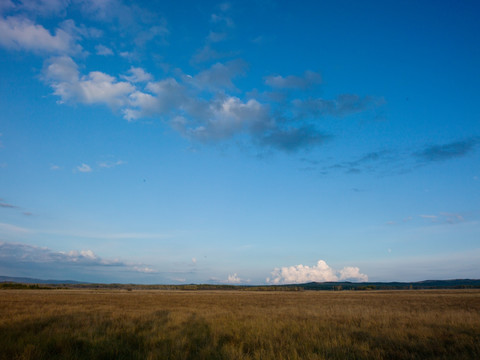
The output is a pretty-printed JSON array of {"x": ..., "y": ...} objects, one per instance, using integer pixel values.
[{"x": 106, "y": 324}]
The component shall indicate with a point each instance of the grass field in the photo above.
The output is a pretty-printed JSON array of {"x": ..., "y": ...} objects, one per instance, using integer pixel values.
[{"x": 109, "y": 324}]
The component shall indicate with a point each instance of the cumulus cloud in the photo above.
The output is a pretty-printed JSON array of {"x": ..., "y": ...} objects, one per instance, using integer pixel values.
[
  {"x": 159, "y": 98},
  {"x": 198, "y": 106},
  {"x": 219, "y": 76},
  {"x": 137, "y": 75},
  {"x": 352, "y": 273},
  {"x": 223, "y": 118},
  {"x": 95, "y": 88},
  {"x": 22, "y": 34},
  {"x": 320, "y": 272},
  {"x": 234, "y": 279}
]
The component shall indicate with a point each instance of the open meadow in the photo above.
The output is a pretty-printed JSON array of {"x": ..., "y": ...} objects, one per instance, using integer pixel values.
[{"x": 159, "y": 324}]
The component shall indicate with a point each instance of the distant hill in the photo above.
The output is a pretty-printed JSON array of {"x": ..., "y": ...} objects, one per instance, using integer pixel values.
[
  {"x": 425, "y": 284},
  {"x": 340, "y": 285},
  {"x": 26, "y": 280}
]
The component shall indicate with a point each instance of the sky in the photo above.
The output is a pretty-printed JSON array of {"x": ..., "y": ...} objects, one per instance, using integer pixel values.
[{"x": 239, "y": 142}]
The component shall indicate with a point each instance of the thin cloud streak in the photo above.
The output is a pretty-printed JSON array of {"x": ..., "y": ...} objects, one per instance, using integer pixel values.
[
  {"x": 448, "y": 151},
  {"x": 74, "y": 260}
]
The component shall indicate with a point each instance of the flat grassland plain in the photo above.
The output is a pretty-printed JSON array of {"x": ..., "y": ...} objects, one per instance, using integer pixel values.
[{"x": 160, "y": 324}]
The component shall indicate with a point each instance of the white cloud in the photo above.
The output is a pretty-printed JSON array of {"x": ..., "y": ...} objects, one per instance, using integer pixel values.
[
  {"x": 102, "y": 50},
  {"x": 165, "y": 96},
  {"x": 222, "y": 20},
  {"x": 110, "y": 164},
  {"x": 442, "y": 218},
  {"x": 84, "y": 168},
  {"x": 6, "y": 5},
  {"x": 13, "y": 229},
  {"x": 320, "y": 272},
  {"x": 137, "y": 75},
  {"x": 28, "y": 253},
  {"x": 144, "y": 269},
  {"x": 309, "y": 78},
  {"x": 22, "y": 34},
  {"x": 44, "y": 7},
  {"x": 219, "y": 76},
  {"x": 234, "y": 279},
  {"x": 94, "y": 88},
  {"x": 428, "y": 216},
  {"x": 29, "y": 256},
  {"x": 352, "y": 273},
  {"x": 216, "y": 36},
  {"x": 206, "y": 54},
  {"x": 98, "y": 87},
  {"x": 101, "y": 9},
  {"x": 199, "y": 106},
  {"x": 224, "y": 117}
]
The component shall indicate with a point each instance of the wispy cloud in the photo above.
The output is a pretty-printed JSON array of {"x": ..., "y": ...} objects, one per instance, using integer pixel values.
[
  {"x": 84, "y": 168},
  {"x": 320, "y": 272},
  {"x": 440, "y": 218},
  {"x": 294, "y": 138},
  {"x": 308, "y": 79},
  {"x": 7, "y": 205},
  {"x": 396, "y": 161},
  {"x": 448, "y": 151},
  {"x": 42, "y": 7},
  {"x": 219, "y": 76},
  {"x": 103, "y": 50},
  {"x": 29, "y": 256},
  {"x": 444, "y": 218},
  {"x": 13, "y": 229},
  {"x": 343, "y": 105},
  {"x": 110, "y": 164}
]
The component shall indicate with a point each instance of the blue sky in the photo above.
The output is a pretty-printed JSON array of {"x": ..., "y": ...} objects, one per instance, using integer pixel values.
[{"x": 243, "y": 142}]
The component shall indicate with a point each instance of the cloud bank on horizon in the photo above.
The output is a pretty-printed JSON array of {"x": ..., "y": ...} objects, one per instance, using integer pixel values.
[{"x": 320, "y": 272}]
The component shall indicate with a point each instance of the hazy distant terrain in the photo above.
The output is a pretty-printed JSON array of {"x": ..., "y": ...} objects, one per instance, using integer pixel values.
[{"x": 342, "y": 285}]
